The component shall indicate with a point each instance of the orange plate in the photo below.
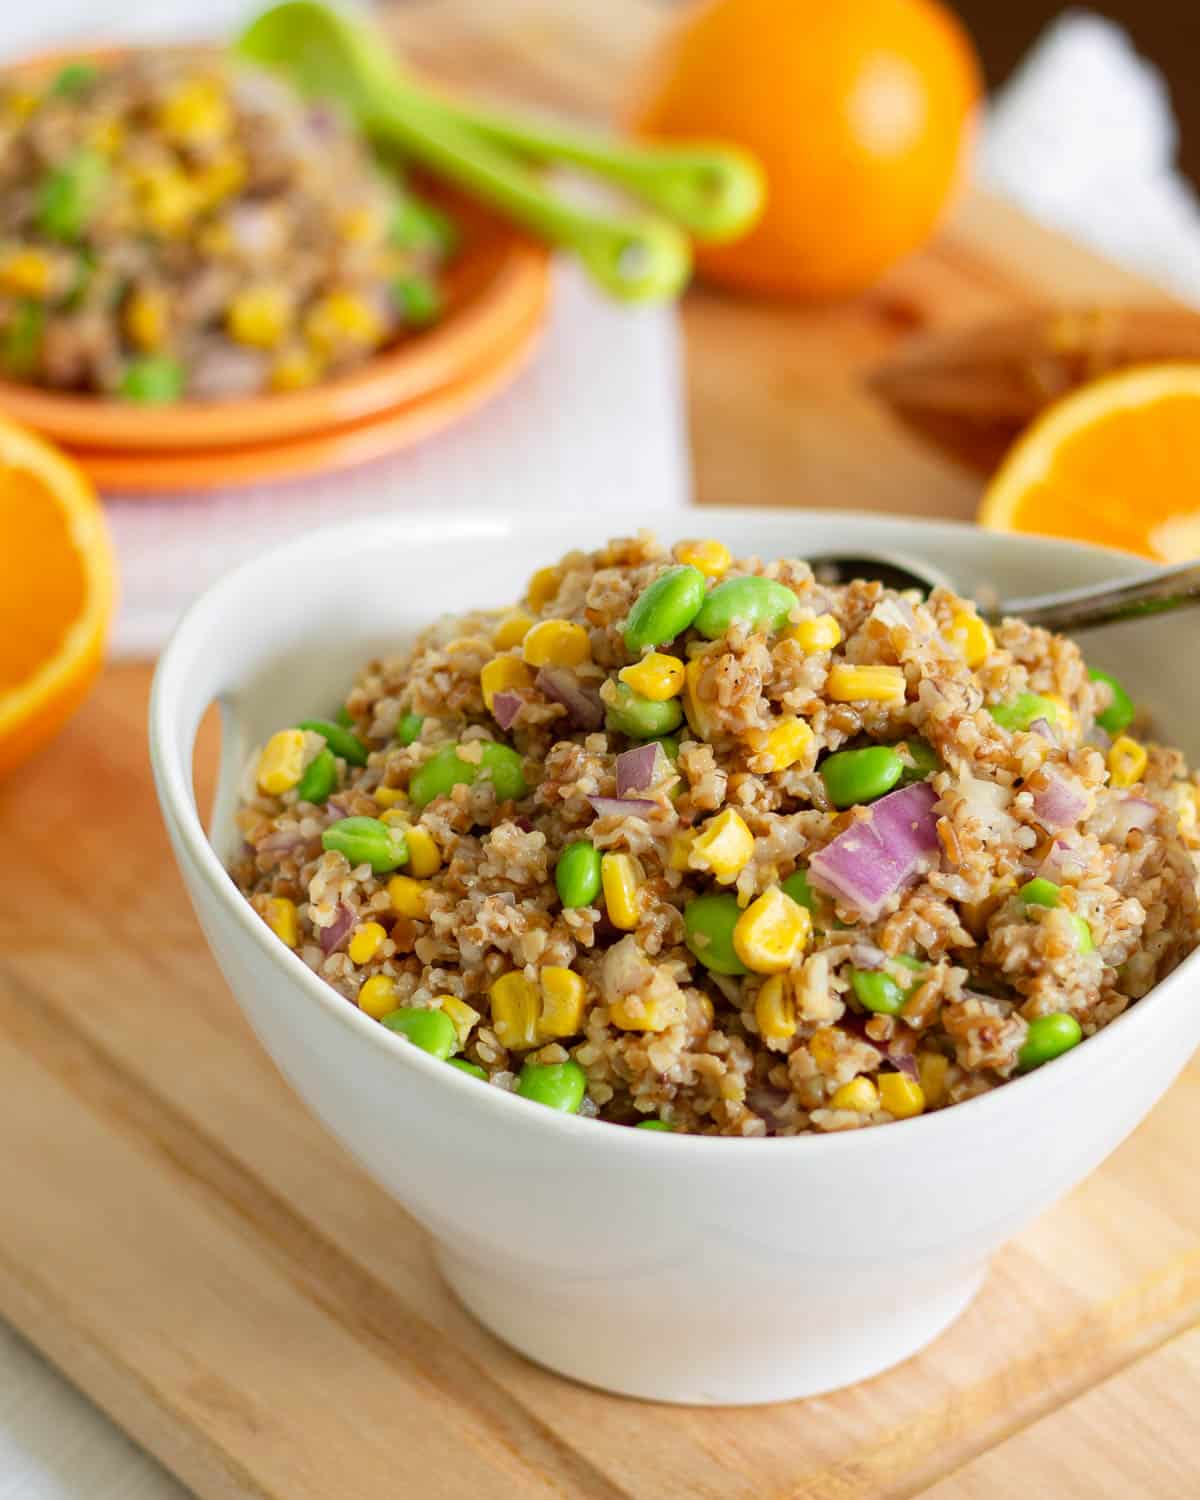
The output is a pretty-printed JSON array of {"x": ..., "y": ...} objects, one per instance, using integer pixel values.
[
  {"x": 494, "y": 283},
  {"x": 160, "y": 474}
]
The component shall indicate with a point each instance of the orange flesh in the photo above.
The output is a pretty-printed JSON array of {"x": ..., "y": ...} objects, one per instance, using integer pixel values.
[
  {"x": 1120, "y": 478},
  {"x": 43, "y": 585}
]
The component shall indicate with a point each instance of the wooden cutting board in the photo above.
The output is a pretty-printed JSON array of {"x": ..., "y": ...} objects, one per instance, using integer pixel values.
[{"x": 190, "y": 1247}]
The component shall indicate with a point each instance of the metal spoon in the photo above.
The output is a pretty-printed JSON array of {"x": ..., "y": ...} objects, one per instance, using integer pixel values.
[{"x": 1069, "y": 610}]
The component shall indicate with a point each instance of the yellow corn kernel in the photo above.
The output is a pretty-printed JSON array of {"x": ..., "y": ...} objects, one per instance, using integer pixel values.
[
  {"x": 259, "y": 316},
  {"x": 366, "y": 942},
  {"x": 711, "y": 557},
  {"x": 146, "y": 318},
  {"x": 377, "y": 996},
  {"x": 514, "y": 1010},
  {"x": 408, "y": 896},
  {"x": 619, "y": 879},
  {"x": 21, "y": 103},
  {"x": 859, "y": 1094},
  {"x": 850, "y": 684},
  {"x": 786, "y": 743},
  {"x": 512, "y": 630},
  {"x": 389, "y": 796},
  {"x": 901, "y": 1096},
  {"x": 26, "y": 272},
  {"x": 106, "y": 137},
  {"x": 542, "y": 588},
  {"x": 342, "y": 318},
  {"x": 395, "y": 817},
  {"x": 971, "y": 638},
  {"x": 281, "y": 764},
  {"x": 655, "y": 1012},
  {"x": 167, "y": 199},
  {"x": 775, "y": 1010},
  {"x": 360, "y": 225},
  {"x": 563, "y": 994},
  {"x": 219, "y": 177},
  {"x": 294, "y": 370},
  {"x": 1189, "y": 810},
  {"x": 820, "y": 634},
  {"x": 823, "y": 1044},
  {"x": 657, "y": 676},
  {"x": 1126, "y": 761},
  {"x": 772, "y": 932},
  {"x": 1065, "y": 716},
  {"x": 196, "y": 114},
  {"x": 461, "y": 1014},
  {"x": 724, "y": 846},
  {"x": 424, "y": 856},
  {"x": 680, "y": 853},
  {"x": 503, "y": 674},
  {"x": 932, "y": 1068},
  {"x": 281, "y": 919},
  {"x": 699, "y": 718},
  {"x": 215, "y": 238},
  {"x": 556, "y": 643}
]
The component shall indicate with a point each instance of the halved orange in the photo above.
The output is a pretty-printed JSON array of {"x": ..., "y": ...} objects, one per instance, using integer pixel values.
[
  {"x": 1115, "y": 462},
  {"x": 57, "y": 589}
]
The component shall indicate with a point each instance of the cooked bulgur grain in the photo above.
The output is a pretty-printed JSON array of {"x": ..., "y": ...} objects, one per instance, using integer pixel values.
[{"x": 776, "y": 936}]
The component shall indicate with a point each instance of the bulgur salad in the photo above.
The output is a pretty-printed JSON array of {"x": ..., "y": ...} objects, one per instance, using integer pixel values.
[
  {"x": 705, "y": 844},
  {"x": 175, "y": 224}
]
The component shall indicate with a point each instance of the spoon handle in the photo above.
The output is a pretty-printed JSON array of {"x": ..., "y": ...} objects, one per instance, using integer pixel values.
[
  {"x": 1104, "y": 604},
  {"x": 714, "y": 192}
]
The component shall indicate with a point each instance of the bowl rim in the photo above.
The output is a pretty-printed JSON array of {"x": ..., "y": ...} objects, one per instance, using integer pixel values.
[
  {"x": 489, "y": 322},
  {"x": 183, "y": 817}
]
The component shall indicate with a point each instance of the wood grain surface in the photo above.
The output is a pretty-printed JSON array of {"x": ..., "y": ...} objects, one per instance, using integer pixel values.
[{"x": 186, "y": 1243}]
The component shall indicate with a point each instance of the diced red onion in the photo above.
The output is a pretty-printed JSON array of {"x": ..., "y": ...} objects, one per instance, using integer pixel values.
[
  {"x": 881, "y": 853},
  {"x": 1135, "y": 812},
  {"x": 637, "y": 768},
  {"x": 1061, "y": 803},
  {"x": 904, "y": 1061},
  {"x": 338, "y": 929},
  {"x": 505, "y": 708},
  {"x": 282, "y": 841},
  {"x": 623, "y": 807},
  {"x": 867, "y": 956},
  {"x": 1062, "y": 862},
  {"x": 1044, "y": 729},
  {"x": 583, "y": 706}
]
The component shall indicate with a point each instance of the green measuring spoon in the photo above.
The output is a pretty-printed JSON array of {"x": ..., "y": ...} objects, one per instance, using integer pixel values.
[{"x": 327, "y": 55}]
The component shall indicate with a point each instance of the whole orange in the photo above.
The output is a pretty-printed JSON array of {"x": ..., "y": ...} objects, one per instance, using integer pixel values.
[{"x": 859, "y": 110}]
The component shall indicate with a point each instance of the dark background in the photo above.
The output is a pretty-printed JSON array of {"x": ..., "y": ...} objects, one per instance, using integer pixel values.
[{"x": 1165, "y": 32}]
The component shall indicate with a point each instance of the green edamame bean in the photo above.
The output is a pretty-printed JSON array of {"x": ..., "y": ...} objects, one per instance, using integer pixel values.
[
  {"x": 1118, "y": 716},
  {"x": 23, "y": 339},
  {"x": 641, "y": 718},
  {"x": 852, "y": 777},
  {"x": 708, "y": 924},
  {"x": 654, "y": 1125},
  {"x": 759, "y": 602},
  {"x": 1042, "y": 892},
  {"x": 665, "y": 608},
  {"x": 925, "y": 761},
  {"x": 559, "y": 1086},
  {"x": 797, "y": 886},
  {"x": 367, "y": 841},
  {"x": 670, "y": 744},
  {"x": 319, "y": 779},
  {"x": 344, "y": 717},
  {"x": 577, "y": 874},
  {"x": 417, "y": 300},
  {"x": 431, "y": 1030},
  {"x": 339, "y": 739},
  {"x": 67, "y": 195},
  {"x": 1020, "y": 712},
  {"x": 464, "y": 1066},
  {"x": 409, "y": 728},
  {"x": 1048, "y": 1037},
  {"x": 73, "y": 80},
  {"x": 420, "y": 226},
  {"x": 445, "y": 770},
  {"x": 877, "y": 992},
  {"x": 152, "y": 380}
]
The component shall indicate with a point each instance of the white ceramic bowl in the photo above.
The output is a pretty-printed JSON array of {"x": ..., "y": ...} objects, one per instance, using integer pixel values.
[{"x": 679, "y": 1268}]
